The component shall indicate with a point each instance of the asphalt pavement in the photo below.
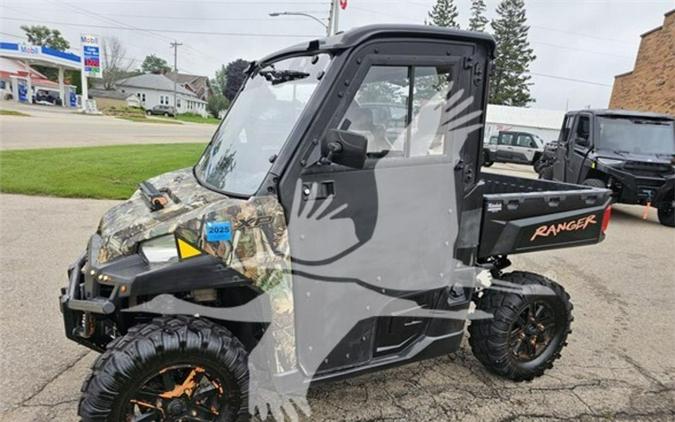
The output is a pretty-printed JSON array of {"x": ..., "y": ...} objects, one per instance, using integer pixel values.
[
  {"x": 619, "y": 364},
  {"x": 54, "y": 127}
]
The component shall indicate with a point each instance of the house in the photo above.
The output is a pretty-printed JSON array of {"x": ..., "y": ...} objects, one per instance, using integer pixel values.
[
  {"x": 111, "y": 98},
  {"x": 650, "y": 86},
  {"x": 153, "y": 89},
  {"x": 200, "y": 85}
]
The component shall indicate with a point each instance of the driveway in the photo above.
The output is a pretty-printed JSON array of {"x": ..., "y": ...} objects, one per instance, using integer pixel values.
[
  {"x": 619, "y": 363},
  {"x": 54, "y": 127}
]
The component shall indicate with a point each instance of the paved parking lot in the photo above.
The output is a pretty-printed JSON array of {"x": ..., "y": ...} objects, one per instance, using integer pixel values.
[
  {"x": 619, "y": 364},
  {"x": 54, "y": 127}
]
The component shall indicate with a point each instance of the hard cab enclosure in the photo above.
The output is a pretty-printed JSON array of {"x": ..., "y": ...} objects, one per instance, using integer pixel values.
[
  {"x": 307, "y": 200},
  {"x": 629, "y": 152}
]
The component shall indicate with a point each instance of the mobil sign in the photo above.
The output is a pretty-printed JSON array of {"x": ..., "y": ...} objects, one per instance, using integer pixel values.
[{"x": 91, "y": 56}]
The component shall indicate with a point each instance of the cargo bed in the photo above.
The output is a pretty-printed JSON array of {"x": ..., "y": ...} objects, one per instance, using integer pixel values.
[{"x": 525, "y": 215}]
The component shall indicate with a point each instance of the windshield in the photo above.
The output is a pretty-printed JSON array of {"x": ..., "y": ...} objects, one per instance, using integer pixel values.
[
  {"x": 258, "y": 123},
  {"x": 637, "y": 136}
]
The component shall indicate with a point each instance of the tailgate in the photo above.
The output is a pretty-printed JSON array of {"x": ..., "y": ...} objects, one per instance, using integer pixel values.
[{"x": 525, "y": 215}]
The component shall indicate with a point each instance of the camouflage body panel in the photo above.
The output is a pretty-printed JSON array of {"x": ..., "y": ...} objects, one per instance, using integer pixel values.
[{"x": 258, "y": 249}]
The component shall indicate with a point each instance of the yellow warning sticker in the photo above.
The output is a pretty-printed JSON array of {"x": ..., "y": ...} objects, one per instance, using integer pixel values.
[{"x": 186, "y": 250}]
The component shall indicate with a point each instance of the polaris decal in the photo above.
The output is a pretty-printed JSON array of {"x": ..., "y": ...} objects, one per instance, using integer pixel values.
[{"x": 568, "y": 226}]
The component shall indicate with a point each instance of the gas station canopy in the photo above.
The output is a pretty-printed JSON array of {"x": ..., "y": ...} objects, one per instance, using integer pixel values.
[{"x": 36, "y": 55}]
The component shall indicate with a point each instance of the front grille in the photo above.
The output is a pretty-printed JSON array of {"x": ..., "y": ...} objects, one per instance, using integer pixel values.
[{"x": 642, "y": 166}]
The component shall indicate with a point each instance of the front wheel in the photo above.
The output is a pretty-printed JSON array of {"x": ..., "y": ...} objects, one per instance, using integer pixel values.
[
  {"x": 174, "y": 368},
  {"x": 528, "y": 328},
  {"x": 667, "y": 216}
]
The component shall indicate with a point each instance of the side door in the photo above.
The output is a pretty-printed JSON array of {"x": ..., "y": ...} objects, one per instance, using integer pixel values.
[
  {"x": 505, "y": 147},
  {"x": 560, "y": 163},
  {"x": 524, "y": 148},
  {"x": 374, "y": 242},
  {"x": 578, "y": 148}
]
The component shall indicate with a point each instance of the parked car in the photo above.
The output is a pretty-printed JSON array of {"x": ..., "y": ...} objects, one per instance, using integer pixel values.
[
  {"x": 513, "y": 147},
  {"x": 161, "y": 110},
  {"x": 630, "y": 152}
]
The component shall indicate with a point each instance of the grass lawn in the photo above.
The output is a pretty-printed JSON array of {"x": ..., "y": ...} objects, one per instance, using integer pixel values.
[
  {"x": 110, "y": 172},
  {"x": 195, "y": 118},
  {"x": 144, "y": 119},
  {"x": 12, "y": 113}
]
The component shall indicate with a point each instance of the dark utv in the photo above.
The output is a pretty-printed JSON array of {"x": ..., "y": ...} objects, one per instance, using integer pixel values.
[
  {"x": 629, "y": 152},
  {"x": 228, "y": 233}
]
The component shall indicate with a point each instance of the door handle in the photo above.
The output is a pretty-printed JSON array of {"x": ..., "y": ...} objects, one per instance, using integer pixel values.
[{"x": 323, "y": 191}]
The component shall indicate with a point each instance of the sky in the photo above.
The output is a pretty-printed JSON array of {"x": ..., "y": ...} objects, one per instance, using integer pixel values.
[{"x": 580, "y": 44}]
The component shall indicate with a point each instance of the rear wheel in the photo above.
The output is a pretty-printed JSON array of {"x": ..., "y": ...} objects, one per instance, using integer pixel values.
[
  {"x": 595, "y": 183},
  {"x": 166, "y": 114},
  {"x": 174, "y": 368},
  {"x": 148, "y": 112},
  {"x": 486, "y": 159},
  {"x": 667, "y": 216},
  {"x": 527, "y": 331}
]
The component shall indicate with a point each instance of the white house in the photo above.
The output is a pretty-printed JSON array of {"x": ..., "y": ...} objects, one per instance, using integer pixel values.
[
  {"x": 152, "y": 90},
  {"x": 544, "y": 123}
]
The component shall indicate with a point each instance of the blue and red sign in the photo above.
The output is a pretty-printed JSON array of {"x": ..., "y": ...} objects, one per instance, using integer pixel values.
[{"x": 91, "y": 56}]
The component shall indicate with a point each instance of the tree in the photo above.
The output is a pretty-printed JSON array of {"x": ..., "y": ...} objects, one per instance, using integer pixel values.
[
  {"x": 478, "y": 21},
  {"x": 510, "y": 84},
  {"x": 444, "y": 13},
  {"x": 115, "y": 65},
  {"x": 234, "y": 77},
  {"x": 44, "y": 36},
  {"x": 216, "y": 104},
  {"x": 219, "y": 81},
  {"x": 154, "y": 64}
]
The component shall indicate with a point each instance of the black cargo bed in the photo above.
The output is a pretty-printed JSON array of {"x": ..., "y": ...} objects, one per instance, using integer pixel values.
[{"x": 525, "y": 215}]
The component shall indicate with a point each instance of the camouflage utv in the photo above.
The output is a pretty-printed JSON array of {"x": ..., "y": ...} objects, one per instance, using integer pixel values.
[{"x": 336, "y": 223}]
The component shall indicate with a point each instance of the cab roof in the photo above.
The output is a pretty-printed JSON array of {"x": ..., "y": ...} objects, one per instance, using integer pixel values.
[
  {"x": 355, "y": 36},
  {"x": 624, "y": 113}
]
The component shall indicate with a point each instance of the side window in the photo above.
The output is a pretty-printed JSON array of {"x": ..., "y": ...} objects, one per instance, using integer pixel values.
[
  {"x": 399, "y": 109},
  {"x": 379, "y": 110},
  {"x": 525, "y": 141},
  {"x": 431, "y": 89},
  {"x": 566, "y": 129},
  {"x": 583, "y": 127},
  {"x": 505, "y": 139}
]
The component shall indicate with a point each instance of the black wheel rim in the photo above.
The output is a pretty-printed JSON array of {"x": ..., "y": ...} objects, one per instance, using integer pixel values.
[
  {"x": 180, "y": 393},
  {"x": 533, "y": 331}
]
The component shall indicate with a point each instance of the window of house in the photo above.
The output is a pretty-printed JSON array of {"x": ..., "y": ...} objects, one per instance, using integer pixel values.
[
  {"x": 178, "y": 102},
  {"x": 399, "y": 109},
  {"x": 143, "y": 97}
]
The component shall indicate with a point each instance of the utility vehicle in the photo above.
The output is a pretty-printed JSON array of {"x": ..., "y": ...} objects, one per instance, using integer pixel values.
[
  {"x": 360, "y": 238},
  {"x": 632, "y": 153},
  {"x": 513, "y": 147}
]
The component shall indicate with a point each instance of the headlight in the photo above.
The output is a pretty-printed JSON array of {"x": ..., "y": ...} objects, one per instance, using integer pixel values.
[
  {"x": 609, "y": 161},
  {"x": 160, "y": 249}
]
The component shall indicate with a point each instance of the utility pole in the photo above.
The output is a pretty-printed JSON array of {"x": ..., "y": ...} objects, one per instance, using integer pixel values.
[
  {"x": 333, "y": 17},
  {"x": 175, "y": 46}
]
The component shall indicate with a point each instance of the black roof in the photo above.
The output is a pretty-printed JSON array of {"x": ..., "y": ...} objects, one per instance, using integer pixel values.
[
  {"x": 624, "y": 113},
  {"x": 360, "y": 34}
]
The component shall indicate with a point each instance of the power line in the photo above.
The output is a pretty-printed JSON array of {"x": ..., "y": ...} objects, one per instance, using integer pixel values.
[
  {"x": 173, "y": 31},
  {"x": 581, "y": 50},
  {"x": 580, "y": 34},
  {"x": 544, "y": 75}
]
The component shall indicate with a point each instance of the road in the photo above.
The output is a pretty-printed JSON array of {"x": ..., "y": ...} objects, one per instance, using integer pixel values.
[
  {"x": 619, "y": 363},
  {"x": 53, "y": 127}
]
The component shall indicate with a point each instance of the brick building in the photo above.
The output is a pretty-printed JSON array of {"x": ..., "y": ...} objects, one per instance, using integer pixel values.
[{"x": 650, "y": 86}]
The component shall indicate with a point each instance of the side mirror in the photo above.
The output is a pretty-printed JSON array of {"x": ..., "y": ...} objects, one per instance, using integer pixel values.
[
  {"x": 345, "y": 148},
  {"x": 584, "y": 142}
]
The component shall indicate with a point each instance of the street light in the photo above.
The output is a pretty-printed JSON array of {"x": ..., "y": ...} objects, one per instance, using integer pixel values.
[{"x": 274, "y": 14}]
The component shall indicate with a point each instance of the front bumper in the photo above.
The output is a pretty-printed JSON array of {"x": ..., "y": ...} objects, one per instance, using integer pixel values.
[{"x": 640, "y": 189}]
